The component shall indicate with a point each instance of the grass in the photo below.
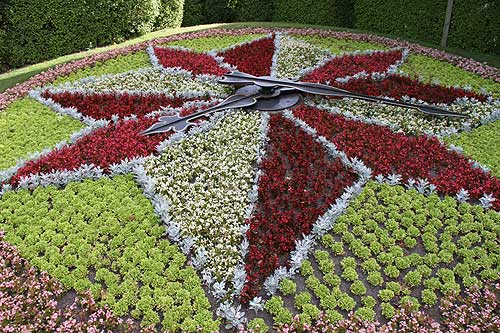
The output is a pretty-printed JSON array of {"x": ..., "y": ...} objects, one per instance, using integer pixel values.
[{"x": 13, "y": 77}]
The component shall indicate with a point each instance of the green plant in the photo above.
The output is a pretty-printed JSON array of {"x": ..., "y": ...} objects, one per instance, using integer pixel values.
[
  {"x": 387, "y": 310},
  {"x": 429, "y": 69},
  {"x": 386, "y": 295},
  {"x": 311, "y": 310},
  {"x": 477, "y": 144},
  {"x": 369, "y": 301},
  {"x": 375, "y": 278},
  {"x": 258, "y": 325},
  {"x": 358, "y": 288},
  {"x": 350, "y": 274},
  {"x": 411, "y": 302},
  {"x": 339, "y": 46},
  {"x": 413, "y": 278},
  {"x": 254, "y": 10},
  {"x": 365, "y": 313},
  {"x": 274, "y": 305},
  {"x": 287, "y": 286},
  {"x": 346, "y": 302},
  {"x": 306, "y": 269},
  {"x": 302, "y": 299},
  {"x": 332, "y": 279},
  {"x": 391, "y": 271},
  {"x": 370, "y": 265},
  {"x": 429, "y": 297}
]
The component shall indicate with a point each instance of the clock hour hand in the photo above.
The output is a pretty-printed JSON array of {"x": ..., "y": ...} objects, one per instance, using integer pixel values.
[
  {"x": 322, "y": 89},
  {"x": 178, "y": 123}
]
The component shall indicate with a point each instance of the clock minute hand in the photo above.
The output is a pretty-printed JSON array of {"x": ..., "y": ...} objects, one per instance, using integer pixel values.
[
  {"x": 178, "y": 123},
  {"x": 322, "y": 89}
]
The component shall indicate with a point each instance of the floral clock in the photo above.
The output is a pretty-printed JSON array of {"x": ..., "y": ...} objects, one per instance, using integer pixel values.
[{"x": 247, "y": 218}]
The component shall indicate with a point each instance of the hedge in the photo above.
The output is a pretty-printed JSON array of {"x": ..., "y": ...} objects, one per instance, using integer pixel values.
[
  {"x": 206, "y": 11},
  {"x": 325, "y": 12},
  {"x": 193, "y": 12},
  {"x": 475, "y": 24},
  {"x": 254, "y": 10},
  {"x": 420, "y": 20},
  {"x": 39, "y": 30}
]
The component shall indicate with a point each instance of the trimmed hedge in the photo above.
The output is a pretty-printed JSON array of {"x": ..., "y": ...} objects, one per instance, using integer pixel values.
[
  {"x": 254, "y": 10},
  {"x": 193, "y": 12},
  {"x": 206, "y": 11},
  {"x": 475, "y": 24},
  {"x": 421, "y": 20},
  {"x": 325, "y": 12},
  {"x": 39, "y": 30}
]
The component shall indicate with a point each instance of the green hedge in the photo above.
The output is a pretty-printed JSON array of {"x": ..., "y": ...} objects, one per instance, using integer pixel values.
[
  {"x": 254, "y": 10},
  {"x": 39, "y": 30},
  {"x": 324, "y": 12},
  {"x": 206, "y": 11},
  {"x": 420, "y": 20},
  {"x": 193, "y": 13},
  {"x": 475, "y": 24}
]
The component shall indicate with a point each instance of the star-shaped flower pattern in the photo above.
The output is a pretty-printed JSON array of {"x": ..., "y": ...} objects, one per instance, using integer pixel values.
[{"x": 296, "y": 171}]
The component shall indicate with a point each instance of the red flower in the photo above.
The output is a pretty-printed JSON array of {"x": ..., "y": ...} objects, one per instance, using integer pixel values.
[
  {"x": 103, "y": 106},
  {"x": 299, "y": 182},
  {"x": 253, "y": 58},
  {"x": 197, "y": 63}
]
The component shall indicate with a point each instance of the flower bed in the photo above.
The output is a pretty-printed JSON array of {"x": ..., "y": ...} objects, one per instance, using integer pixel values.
[{"x": 337, "y": 213}]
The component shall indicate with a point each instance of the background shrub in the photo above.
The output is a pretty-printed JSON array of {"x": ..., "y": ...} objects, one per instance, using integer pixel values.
[
  {"x": 324, "y": 12},
  {"x": 475, "y": 25},
  {"x": 38, "y": 30},
  {"x": 193, "y": 12},
  {"x": 254, "y": 10},
  {"x": 421, "y": 20}
]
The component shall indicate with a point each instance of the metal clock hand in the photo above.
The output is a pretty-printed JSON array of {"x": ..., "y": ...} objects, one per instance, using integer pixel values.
[
  {"x": 178, "y": 123},
  {"x": 267, "y": 93},
  {"x": 321, "y": 89}
]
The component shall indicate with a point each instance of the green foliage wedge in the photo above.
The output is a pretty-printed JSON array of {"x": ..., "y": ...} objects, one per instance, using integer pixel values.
[
  {"x": 104, "y": 236},
  {"x": 122, "y": 63},
  {"x": 458, "y": 246},
  {"x": 478, "y": 145},
  {"x": 206, "y": 44},
  {"x": 339, "y": 46},
  {"x": 428, "y": 70},
  {"x": 27, "y": 126},
  {"x": 40, "y": 30}
]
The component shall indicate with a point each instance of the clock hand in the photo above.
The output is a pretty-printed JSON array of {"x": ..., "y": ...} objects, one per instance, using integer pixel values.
[
  {"x": 322, "y": 89},
  {"x": 178, "y": 123}
]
